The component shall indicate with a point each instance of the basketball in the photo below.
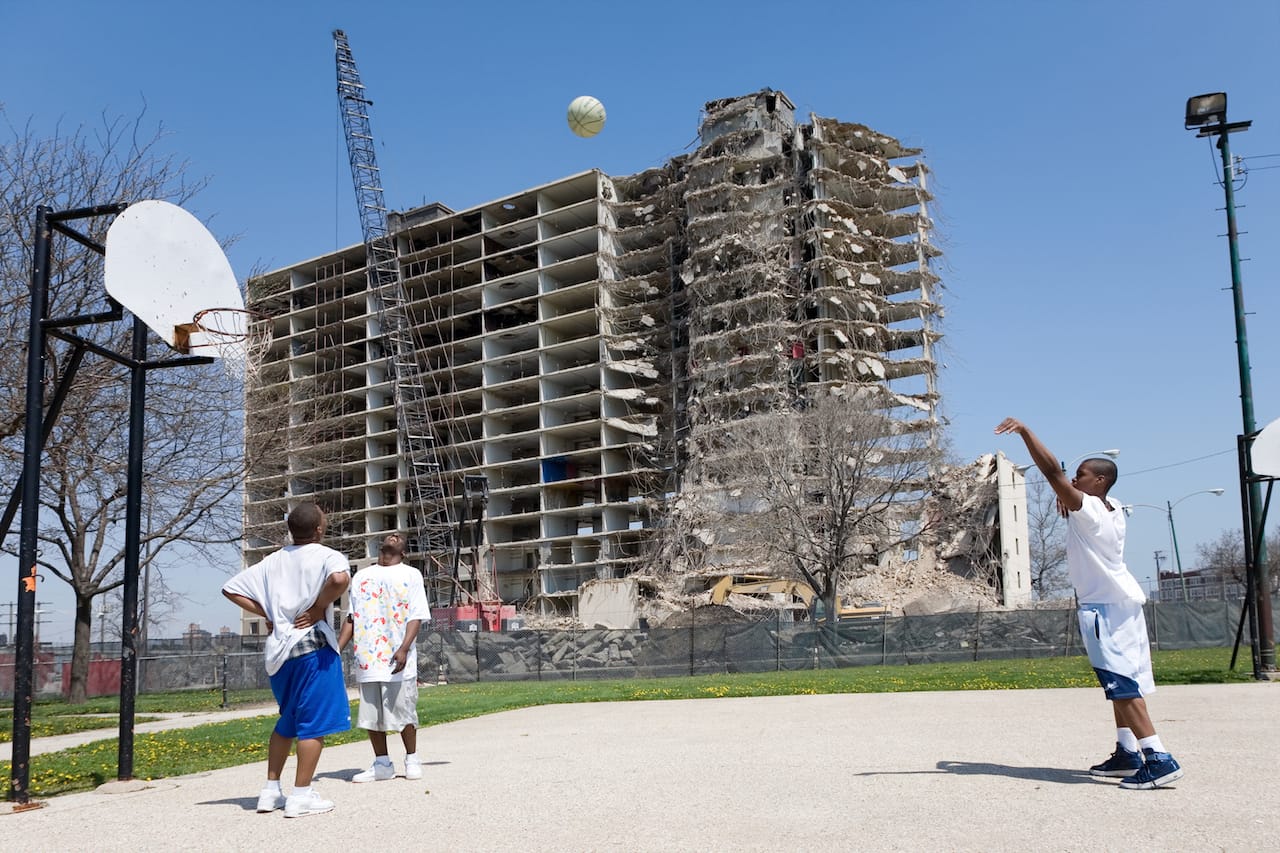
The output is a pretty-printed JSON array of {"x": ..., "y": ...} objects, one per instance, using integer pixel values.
[{"x": 586, "y": 116}]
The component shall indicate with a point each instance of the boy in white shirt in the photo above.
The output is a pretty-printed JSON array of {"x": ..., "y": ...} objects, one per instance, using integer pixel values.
[
  {"x": 294, "y": 590},
  {"x": 388, "y": 606},
  {"x": 1112, "y": 624}
]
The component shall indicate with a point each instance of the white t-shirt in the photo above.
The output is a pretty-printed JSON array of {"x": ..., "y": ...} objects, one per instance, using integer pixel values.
[
  {"x": 1095, "y": 554},
  {"x": 384, "y": 600},
  {"x": 285, "y": 584}
]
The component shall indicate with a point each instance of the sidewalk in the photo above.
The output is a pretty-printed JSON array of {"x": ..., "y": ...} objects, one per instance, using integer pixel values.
[{"x": 991, "y": 770}]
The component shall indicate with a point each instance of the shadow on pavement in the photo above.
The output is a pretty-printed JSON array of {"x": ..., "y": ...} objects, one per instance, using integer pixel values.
[
  {"x": 249, "y": 804},
  {"x": 971, "y": 768}
]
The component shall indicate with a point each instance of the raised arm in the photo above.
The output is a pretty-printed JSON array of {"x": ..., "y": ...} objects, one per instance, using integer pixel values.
[{"x": 1069, "y": 496}]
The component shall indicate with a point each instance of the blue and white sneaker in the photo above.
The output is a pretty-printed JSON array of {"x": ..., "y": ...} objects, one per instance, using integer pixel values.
[
  {"x": 1158, "y": 768},
  {"x": 1123, "y": 762}
]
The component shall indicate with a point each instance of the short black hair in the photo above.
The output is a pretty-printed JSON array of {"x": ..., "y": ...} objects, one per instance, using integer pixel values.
[
  {"x": 1103, "y": 468},
  {"x": 303, "y": 521}
]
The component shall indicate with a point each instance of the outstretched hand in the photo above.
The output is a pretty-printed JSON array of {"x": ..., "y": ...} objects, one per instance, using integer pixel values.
[{"x": 1010, "y": 425}]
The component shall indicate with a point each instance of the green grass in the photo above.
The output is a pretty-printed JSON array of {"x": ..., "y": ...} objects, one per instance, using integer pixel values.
[
  {"x": 63, "y": 724},
  {"x": 210, "y": 747},
  {"x": 180, "y": 701},
  {"x": 56, "y": 717}
]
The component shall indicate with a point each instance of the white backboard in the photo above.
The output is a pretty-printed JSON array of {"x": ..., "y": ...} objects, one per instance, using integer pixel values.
[
  {"x": 164, "y": 266},
  {"x": 1265, "y": 454}
]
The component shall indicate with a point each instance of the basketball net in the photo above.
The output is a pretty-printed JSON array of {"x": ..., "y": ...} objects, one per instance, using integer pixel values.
[{"x": 237, "y": 337}]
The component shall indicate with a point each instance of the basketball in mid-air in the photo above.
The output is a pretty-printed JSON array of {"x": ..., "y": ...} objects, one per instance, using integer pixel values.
[{"x": 586, "y": 116}]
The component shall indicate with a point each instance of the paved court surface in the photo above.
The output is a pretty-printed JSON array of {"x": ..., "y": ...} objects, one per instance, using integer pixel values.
[{"x": 992, "y": 771}]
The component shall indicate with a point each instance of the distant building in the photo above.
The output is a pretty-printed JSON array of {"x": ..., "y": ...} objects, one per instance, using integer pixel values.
[
  {"x": 1200, "y": 585},
  {"x": 196, "y": 637}
]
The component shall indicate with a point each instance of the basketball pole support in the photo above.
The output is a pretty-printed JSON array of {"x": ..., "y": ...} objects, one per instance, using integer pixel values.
[{"x": 38, "y": 425}]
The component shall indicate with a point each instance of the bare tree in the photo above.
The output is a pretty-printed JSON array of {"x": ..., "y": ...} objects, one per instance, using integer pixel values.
[
  {"x": 193, "y": 462},
  {"x": 820, "y": 494},
  {"x": 1223, "y": 558},
  {"x": 1048, "y": 546}
]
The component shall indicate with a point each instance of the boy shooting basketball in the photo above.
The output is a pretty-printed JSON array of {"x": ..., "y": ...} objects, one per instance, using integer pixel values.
[{"x": 1112, "y": 623}]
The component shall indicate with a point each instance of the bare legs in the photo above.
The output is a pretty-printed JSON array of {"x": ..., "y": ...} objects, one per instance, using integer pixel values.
[
  {"x": 1132, "y": 714},
  {"x": 409, "y": 736},
  {"x": 277, "y": 753},
  {"x": 309, "y": 750}
]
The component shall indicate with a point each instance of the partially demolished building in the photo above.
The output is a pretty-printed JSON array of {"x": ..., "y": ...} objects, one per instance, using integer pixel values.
[{"x": 586, "y": 340}]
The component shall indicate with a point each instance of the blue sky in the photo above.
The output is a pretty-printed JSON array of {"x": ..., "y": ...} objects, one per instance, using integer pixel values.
[{"x": 1086, "y": 278}]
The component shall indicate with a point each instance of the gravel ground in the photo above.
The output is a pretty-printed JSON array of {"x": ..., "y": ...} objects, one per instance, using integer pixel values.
[{"x": 991, "y": 771}]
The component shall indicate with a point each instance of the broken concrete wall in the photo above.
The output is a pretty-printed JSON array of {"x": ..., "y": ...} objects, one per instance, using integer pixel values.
[
  {"x": 805, "y": 270},
  {"x": 609, "y": 603}
]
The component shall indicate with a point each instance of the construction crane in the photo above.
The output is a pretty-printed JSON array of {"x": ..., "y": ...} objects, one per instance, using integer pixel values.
[
  {"x": 429, "y": 500},
  {"x": 479, "y": 608}
]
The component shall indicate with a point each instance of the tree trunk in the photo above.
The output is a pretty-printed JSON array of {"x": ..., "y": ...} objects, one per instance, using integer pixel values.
[
  {"x": 78, "y": 688},
  {"x": 831, "y": 600}
]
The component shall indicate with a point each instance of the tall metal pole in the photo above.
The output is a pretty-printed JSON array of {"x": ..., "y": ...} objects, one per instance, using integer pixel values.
[
  {"x": 24, "y": 655},
  {"x": 1177, "y": 558},
  {"x": 1262, "y": 577},
  {"x": 132, "y": 547}
]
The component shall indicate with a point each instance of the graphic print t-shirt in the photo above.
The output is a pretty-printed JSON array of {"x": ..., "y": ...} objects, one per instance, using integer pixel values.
[{"x": 384, "y": 600}]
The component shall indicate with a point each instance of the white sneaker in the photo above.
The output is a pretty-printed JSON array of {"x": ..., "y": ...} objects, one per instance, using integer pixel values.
[
  {"x": 269, "y": 800},
  {"x": 379, "y": 772},
  {"x": 301, "y": 805},
  {"x": 412, "y": 768}
]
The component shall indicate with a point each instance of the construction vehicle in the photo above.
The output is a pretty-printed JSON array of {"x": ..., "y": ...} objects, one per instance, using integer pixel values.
[
  {"x": 473, "y": 603},
  {"x": 794, "y": 595}
]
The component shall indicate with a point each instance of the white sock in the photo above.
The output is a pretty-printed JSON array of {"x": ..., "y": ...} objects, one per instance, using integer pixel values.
[
  {"x": 1152, "y": 743},
  {"x": 412, "y": 756},
  {"x": 384, "y": 760},
  {"x": 1126, "y": 739},
  {"x": 273, "y": 785},
  {"x": 301, "y": 792}
]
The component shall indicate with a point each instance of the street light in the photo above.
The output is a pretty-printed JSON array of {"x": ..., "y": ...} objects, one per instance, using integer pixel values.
[
  {"x": 1173, "y": 532},
  {"x": 1208, "y": 113},
  {"x": 1112, "y": 453}
]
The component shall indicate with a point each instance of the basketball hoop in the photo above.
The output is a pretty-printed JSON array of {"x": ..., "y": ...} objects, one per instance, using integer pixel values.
[{"x": 237, "y": 337}]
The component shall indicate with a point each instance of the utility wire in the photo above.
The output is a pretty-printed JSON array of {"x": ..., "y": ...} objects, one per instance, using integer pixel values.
[{"x": 1129, "y": 474}]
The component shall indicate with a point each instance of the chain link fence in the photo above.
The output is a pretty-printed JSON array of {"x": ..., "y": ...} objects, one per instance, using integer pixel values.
[{"x": 768, "y": 645}]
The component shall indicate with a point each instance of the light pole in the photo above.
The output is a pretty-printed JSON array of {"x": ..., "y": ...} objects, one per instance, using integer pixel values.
[
  {"x": 1113, "y": 453},
  {"x": 1208, "y": 113},
  {"x": 1173, "y": 531}
]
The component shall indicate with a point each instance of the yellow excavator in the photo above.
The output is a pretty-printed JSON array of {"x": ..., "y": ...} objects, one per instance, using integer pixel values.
[{"x": 790, "y": 592}]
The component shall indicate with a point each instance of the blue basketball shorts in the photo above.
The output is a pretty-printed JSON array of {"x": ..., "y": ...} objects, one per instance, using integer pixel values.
[
  {"x": 312, "y": 696},
  {"x": 1115, "y": 636}
]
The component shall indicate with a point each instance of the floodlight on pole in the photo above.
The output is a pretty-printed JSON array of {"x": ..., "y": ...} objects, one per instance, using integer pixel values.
[
  {"x": 1206, "y": 109},
  {"x": 1208, "y": 113}
]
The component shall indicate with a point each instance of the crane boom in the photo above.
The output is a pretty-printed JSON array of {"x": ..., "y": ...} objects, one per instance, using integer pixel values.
[{"x": 430, "y": 504}]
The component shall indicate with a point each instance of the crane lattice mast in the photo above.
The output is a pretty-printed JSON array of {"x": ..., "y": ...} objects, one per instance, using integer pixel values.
[{"x": 430, "y": 503}]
